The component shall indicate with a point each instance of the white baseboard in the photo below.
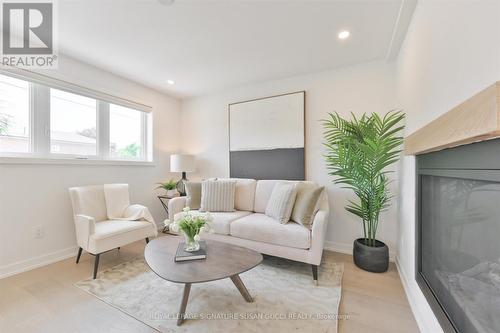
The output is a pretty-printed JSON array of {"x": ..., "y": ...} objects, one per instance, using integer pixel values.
[
  {"x": 338, "y": 247},
  {"x": 424, "y": 322},
  {"x": 410, "y": 296},
  {"x": 347, "y": 249},
  {"x": 32, "y": 263}
]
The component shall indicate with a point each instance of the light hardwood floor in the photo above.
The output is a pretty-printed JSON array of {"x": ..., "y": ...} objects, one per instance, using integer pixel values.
[{"x": 45, "y": 300}]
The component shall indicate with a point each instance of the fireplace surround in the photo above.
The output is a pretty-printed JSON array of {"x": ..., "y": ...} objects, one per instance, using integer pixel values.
[{"x": 458, "y": 235}]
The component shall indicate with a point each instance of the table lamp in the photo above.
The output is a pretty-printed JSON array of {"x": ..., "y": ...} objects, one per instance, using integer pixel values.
[{"x": 182, "y": 163}]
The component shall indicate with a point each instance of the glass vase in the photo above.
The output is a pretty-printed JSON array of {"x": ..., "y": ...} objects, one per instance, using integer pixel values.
[{"x": 191, "y": 244}]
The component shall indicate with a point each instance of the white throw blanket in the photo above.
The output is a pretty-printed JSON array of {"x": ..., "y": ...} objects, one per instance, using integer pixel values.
[{"x": 118, "y": 205}]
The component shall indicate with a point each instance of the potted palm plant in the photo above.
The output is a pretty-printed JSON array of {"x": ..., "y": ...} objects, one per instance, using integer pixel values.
[
  {"x": 170, "y": 188},
  {"x": 359, "y": 152}
]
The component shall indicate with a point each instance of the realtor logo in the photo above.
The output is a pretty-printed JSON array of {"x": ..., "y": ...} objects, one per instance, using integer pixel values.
[{"x": 28, "y": 34}]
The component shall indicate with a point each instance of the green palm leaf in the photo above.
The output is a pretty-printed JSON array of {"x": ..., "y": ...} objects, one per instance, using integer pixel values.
[{"x": 358, "y": 152}]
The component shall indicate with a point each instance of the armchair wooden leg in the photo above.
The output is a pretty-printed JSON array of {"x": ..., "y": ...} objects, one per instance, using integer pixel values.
[
  {"x": 315, "y": 273},
  {"x": 96, "y": 264},
  {"x": 79, "y": 255},
  {"x": 147, "y": 240}
]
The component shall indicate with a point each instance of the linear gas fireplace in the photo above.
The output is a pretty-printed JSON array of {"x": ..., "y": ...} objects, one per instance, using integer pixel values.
[{"x": 458, "y": 235}]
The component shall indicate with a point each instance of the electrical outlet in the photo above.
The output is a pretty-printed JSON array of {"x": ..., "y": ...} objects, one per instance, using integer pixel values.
[{"x": 39, "y": 231}]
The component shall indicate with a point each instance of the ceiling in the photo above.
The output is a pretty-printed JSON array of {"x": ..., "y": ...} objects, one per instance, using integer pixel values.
[{"x": 206, "y": 45}]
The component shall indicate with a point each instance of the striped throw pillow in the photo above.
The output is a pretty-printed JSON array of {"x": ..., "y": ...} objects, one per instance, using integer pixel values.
[
  {"x": 281, "y": 202},
  {"x": 217, "y": 195}
]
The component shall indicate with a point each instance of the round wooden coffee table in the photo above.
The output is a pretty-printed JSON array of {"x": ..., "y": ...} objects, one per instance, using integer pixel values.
[{"x": 223, "y": 261}]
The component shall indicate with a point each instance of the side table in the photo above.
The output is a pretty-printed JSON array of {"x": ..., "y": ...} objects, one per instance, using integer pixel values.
[{"x": 164, "y": 202}]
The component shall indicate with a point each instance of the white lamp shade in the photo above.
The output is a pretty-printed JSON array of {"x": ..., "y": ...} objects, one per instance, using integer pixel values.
[{"x": 181, "y": 163}]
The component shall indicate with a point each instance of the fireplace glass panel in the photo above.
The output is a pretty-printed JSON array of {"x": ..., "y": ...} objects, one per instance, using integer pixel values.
[{"x": 460, "y": 249}]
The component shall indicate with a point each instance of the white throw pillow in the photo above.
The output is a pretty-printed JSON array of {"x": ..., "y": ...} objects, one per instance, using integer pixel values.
[
  {"x": 217, "y": 195},
  {"x": 193, "y": 194},
  {"x": 281, "y": 202}
]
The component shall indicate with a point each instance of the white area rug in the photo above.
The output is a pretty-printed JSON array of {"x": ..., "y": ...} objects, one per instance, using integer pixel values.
[{"x": 285, "y": 298}]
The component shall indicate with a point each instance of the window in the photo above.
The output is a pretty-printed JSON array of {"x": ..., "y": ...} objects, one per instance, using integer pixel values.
[
  {"x": 73, "y": 124},
  {"x": 126, "y": 132},
  {"x": 14, "y": 115},
  {"x": 51, "y": 119}
]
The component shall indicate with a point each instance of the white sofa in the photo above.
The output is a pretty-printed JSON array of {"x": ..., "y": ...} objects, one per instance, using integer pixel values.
[{"x": 249, "y": 227}]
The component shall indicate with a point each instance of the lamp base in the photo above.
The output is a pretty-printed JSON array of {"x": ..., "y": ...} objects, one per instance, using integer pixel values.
[{"x": 181, "y": 187}]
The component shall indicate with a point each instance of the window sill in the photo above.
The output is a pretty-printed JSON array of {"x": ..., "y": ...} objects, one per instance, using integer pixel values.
[{"x": 71, "y": 161}]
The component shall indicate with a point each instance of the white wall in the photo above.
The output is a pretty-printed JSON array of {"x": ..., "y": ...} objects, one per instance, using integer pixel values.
[
  {"x": 451, "y": 51},
  {"x": 363, "y": 88},
  {"x": 34, "y": 194}
]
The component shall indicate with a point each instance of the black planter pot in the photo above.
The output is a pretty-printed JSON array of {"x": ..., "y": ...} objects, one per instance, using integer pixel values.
[{"x": 371, "y": 258}]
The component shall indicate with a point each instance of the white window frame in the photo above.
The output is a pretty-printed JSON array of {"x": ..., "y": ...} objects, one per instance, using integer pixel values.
[
  {"x": 144, "y": 139},
  {"x": 39, "y": 119},
  {"x": 103, "y": 130},
  {"x": 50, "y": 154}
]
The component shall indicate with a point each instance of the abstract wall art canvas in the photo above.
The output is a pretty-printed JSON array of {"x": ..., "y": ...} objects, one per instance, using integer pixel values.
[{"x": 267, "y": 137}]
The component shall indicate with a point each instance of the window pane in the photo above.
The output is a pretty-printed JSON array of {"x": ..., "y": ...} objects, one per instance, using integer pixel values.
[
  {"x": 14, "y": 115},
  {"x": 73, "y": 124},
  {"x": 125, "y": 132}
]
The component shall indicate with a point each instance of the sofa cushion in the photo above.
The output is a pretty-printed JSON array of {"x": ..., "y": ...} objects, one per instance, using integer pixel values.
[
  {"x": 306, "y": 203},
  {"x": 220, "y": 220},
  {"x": 263, "y": 191},
  {"x": 281, "y": 202},
  {"x": 244, "y": 194},
  {"x": 261, "y": 228},
  {"x": 112, "y": 228},
  {"x": 193, "y": 193},
  {"x": 217, "y": 195}
]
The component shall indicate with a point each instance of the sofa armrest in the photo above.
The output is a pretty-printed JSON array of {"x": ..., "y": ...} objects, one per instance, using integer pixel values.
[
  {"x": 85, "y": 227},
  {"x": 318, "y": 234},
  {"x": 176, "y": 205}
]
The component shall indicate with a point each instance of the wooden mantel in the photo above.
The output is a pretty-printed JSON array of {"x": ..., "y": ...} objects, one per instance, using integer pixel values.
[{"x": 476, "y": 119}]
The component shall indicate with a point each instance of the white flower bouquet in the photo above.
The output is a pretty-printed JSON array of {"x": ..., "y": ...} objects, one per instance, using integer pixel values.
[{"x": 191, "y": 225}]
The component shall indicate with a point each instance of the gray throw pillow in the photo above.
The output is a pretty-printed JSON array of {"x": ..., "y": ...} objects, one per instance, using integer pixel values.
[
  {"x": 305, "y": 203},
  {"x": 281, "y": 202},
  {"x": 217, "y": 195},
  {"x": 193, "y": 194}
]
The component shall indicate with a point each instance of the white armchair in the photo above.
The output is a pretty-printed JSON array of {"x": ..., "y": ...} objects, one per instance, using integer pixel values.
[{"x": 105, "y": 220}]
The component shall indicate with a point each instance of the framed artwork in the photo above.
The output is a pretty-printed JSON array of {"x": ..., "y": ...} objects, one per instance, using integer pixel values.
[{"x": 267, "y": 137}]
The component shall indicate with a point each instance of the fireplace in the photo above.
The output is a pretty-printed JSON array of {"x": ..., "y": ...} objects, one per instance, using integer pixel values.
[{"x": 458, "y": 235}]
